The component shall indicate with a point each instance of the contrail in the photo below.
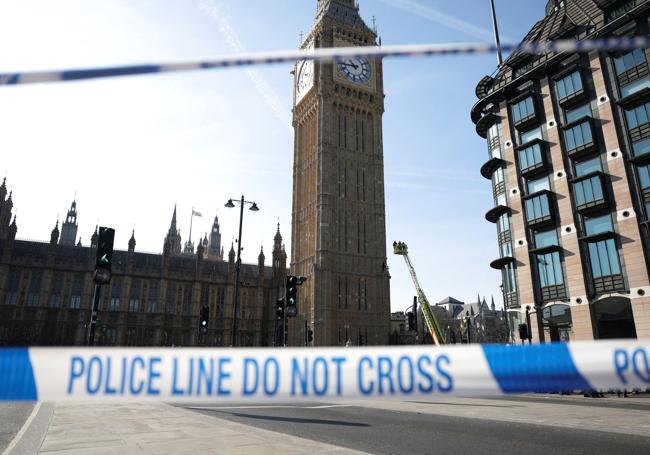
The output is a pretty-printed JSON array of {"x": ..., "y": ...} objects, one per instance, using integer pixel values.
[
  {"x": 215, "y": 11},
  {"x": 427, "y": 12}
]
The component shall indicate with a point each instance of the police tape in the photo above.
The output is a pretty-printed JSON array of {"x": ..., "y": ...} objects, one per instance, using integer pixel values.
[
  {"x": 326, "y": 55},
  {"x": 280, "y": 375}
]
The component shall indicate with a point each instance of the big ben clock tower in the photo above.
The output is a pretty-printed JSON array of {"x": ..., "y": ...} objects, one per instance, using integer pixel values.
[{"x": 338, "y": 219}]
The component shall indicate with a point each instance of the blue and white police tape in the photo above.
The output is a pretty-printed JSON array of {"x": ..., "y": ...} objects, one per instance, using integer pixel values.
[
  {"x": 325, "y": 54},
  {"x": 281, "y": 375}
]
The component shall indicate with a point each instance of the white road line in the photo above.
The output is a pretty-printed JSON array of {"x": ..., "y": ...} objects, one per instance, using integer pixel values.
[
  {"x": 270, "y": 407},
  {"x": 22, "y": 431}
]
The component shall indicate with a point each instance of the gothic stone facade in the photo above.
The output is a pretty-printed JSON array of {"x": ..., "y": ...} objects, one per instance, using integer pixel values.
[
  {"x": 338, "y": 223},
  {"x": 46, "y": 292}
]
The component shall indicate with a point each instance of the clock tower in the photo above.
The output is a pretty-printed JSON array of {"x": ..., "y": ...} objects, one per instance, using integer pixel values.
[{"x": 338, "y": 214}]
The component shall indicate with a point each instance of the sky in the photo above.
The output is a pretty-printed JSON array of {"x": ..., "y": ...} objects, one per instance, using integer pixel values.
[{"x": 131, "y": 148}]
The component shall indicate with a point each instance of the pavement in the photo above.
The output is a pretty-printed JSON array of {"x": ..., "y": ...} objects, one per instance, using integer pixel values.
[{"x": 524, "y": 424}]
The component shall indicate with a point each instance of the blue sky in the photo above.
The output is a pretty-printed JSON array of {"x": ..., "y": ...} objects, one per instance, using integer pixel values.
[{"x": 197, "y": 139}]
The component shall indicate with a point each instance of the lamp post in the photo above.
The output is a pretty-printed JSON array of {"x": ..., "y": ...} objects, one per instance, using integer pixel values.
[
  {"x": 231, "y": 204},
  {"x": 530, "y": 332},
  {"x": 469, "y": 328}
]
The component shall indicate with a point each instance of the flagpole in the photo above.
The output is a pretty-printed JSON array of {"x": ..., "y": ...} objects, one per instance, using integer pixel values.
[
  {"x": 191, "y": 219},
  {"x": 496, "y": 34}
]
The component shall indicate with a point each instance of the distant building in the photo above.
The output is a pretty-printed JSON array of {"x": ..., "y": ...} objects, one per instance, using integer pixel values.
[
  {"x": 487, "y": 324},
  {"x": 46, "y": 291},
  {"x": 568, "y": 140}
]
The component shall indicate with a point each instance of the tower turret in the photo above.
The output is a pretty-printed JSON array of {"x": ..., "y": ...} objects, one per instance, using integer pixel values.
[
  {"x": 215, "y": 251},
  {"x": 54, "y": 236},
  {"x": 279, "y": 255},
  {"x": 93, "y": 238},
  {"x": 260, "y": 260},
  {"x": 231, "y": 254},
  {"x": 69, "y": 228},
  {"x": 172, "y": 243},
  {"x": 13, "y": 228},
  {"x": 132, "y": 242}
]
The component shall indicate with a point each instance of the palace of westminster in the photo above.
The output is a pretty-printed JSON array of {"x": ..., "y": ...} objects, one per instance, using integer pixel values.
[{"x": 338, "y": 238}]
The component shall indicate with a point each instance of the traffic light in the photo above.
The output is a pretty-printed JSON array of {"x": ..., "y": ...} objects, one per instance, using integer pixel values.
[
  {"x": 523, "y": 332},
  {"x": 292, "y": 295},
  {"x": 411, "y": 321},
  {"x": 279, "y": 309},
  {"x": 310, "y": 335},
  {"x": 204, "y": 319},
  {"x": 104, "y": 260}
]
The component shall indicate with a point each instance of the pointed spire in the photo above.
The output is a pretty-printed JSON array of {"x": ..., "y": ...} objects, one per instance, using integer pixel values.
[
  {"x": 3, "y": 189},
  {"x": 54, "y": 236},
  {"x": 132, "y": 242},
  {"x": 94, "y": 238},
  {"x": 79, "y": 242},
  {"x": 493, "y": 305},
  {"x": 13, "y": 228},
  {"x": 173, "y": 225},
  {"x": 231, "y": 253}
]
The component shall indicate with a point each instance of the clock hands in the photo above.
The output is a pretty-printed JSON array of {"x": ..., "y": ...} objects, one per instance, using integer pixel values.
[{"x": 350, "y": 64}]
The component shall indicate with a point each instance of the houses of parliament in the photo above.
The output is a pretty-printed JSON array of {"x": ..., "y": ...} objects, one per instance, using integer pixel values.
[
  {"x": 338, "y": 237},
  {"x": 46, "y": 290}
]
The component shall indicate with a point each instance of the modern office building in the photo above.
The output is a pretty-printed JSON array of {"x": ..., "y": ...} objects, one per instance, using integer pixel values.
[{"x": 568, "y": 140}]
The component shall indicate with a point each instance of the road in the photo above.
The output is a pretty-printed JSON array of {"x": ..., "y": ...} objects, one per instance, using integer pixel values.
[
  {"x": 414, "y": 428},
  {"x": 12, "y": 417}
]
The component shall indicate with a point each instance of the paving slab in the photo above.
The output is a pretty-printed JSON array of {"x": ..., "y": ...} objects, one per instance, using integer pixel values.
[{"x": 157, "y": 428}]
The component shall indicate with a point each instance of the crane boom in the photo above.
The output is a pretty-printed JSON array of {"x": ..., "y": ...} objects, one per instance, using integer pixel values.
[{"x": 401, "y": 249}]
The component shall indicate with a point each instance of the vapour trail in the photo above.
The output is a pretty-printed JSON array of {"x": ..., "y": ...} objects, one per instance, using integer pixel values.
[
  {"x": 432, "y": 14},
  {"x": 215, "y": 11}
]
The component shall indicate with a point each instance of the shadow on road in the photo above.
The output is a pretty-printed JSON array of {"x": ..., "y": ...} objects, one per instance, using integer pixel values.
[
  {"x": 298, "y": 420},
  {"x": 471, "y": 405}
]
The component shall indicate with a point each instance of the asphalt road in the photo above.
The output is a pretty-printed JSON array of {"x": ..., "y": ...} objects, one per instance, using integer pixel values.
[
  {"x": 12, "y": 418},
  {"x": 391, "y": 432}
]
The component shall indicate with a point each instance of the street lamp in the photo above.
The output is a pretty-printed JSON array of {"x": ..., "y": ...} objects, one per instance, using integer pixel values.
[
  {"x": 469, "y": 329},
  {"x": 254, "y": 208},
  {"x": 530, "y": 332}
]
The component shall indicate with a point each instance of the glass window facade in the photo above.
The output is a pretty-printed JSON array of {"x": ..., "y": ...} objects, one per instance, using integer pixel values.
[
  {"x": 598, "y": 224},
  {"x": 588, "y": 192},
  {"x": 631, "y": 72},
  {"x": 530, "y": 135},
  {"x": 538, "y": 185},
  {"x": 603, "y": 255},
  {"x": 638, "y": 116},
  {"x": 523, "y": 110},
  {"x": 549, "y": 268},
  {"x": 504, "y": 223},
  {"x": 538, "y": 208},
  {"x": 508, "y": 278},
  {"x": 588, "y": 166},
  {"x": 530, "y": 156},
  {"x": 644, "y": 176},
  {"x": 569, "y": 85},
  {"x": 545, "y": 238},
  {"x": 578, "y": 136},
  {"x": 571, "y": 115}
]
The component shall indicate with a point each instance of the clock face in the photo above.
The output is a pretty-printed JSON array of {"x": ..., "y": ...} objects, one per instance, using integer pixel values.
[
  {"x": 305, "y": 78},
  {"x": 356, "y": 69}
]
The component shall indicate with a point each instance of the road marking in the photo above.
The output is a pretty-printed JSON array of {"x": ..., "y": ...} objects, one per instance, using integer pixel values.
[
  {"x": 270, "y": 407},
  {"x": 23, "y": 429}
]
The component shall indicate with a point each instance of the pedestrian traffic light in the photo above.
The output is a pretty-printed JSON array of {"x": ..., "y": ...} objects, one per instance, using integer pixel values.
[
  {"x": 104, "y": 259},
  {"x": 279, "y": 309},
  {"x": 523, "y": 332},
  {"x": 204, "y": 319},
  {"x": 310, "y": 335},
  {"x": 411, "y": 321},
  {"x": 292, "y": 295}
]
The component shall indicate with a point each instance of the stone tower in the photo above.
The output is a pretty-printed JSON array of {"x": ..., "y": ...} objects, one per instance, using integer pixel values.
[
  {"x": 338, "y": 219},
  {"x": 172, "y": 245},
  {"x": 215, "y": 252},
  {"x": 69, "y": 227}
]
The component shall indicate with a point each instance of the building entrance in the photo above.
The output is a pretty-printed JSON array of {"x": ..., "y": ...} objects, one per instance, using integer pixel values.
[
  {"x": 614, "y": 319},
  {"x": 556, "y": 320}
]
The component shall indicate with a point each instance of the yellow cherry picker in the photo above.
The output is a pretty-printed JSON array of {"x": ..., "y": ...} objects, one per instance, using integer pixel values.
[{"x": 400, "y": 249}]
